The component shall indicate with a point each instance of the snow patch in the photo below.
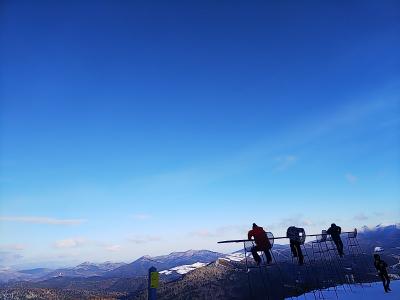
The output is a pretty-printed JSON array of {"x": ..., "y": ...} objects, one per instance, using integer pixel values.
[
  {"x": 365, "y": 292},
  {"x": 187, "y": 268},
  {"x": 184, "y": 268},
  {"x": 235, "y": 257}
]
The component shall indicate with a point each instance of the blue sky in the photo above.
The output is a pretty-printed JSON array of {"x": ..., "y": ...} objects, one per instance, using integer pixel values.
[{"x": 132, "y": 128}]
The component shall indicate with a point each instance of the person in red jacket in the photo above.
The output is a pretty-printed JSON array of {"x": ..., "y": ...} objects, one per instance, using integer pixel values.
[{"x": 262, "y": 243}]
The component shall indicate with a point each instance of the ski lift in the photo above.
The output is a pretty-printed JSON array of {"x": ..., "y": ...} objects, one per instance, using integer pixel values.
[{"x": 299, "y": 236}]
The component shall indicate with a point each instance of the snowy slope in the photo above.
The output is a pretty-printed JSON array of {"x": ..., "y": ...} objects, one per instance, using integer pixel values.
[
  {"x": 165, "y": 262},
  {"x": 183, "y": 269},
  {"x": 373, "y": 292},
  {"x": 234, "y": 257}
]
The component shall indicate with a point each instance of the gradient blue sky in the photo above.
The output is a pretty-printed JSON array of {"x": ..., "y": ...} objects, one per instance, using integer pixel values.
[{"x": 140, "y": 127}]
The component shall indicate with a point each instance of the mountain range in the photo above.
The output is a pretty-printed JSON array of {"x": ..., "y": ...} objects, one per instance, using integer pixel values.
[
  {"x": 207, "y": 274},
  {"x": 108, "y": 269},
  {"x": 141, "y": 266}
]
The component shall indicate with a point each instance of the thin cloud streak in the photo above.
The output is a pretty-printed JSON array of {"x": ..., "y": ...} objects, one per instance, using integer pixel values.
[
  {"x": 351, "y": 178},
  {"x": 70, "y": 243},
  {"x": 361, "y": 217},
  {"x": 220, "y": 232},
  {"x": 113, "y": 248},
  {"x": 41, "y": 220},
  {"x": 144, "y": 239},
  {"x": 12, "y": 247},
  {"x": 284, "y": 162},
  {"x": 142, "y": 217}
]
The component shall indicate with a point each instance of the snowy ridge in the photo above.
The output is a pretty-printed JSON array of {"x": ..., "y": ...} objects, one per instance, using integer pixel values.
[
  {"x": 234, "y": 257},
  {"x": 379, "y": 227},
  {"x": 106, "y": 266},
  {"x": 183, "y": 269}
]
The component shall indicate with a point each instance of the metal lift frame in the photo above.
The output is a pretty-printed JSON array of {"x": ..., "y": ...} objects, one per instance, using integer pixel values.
[{"x": 250, "y": 243}]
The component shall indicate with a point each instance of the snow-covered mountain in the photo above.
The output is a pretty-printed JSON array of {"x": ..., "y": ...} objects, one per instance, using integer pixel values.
[
  {"x": 225, "y": 279},
  {"x": 178, "y": 271},
  {"x": 85, "y": 269},
  {"x": 106, "y": 266},
  {"x": 179, "y": 260},
  {"x": 141, "y": 266},
  {"x": 205, "y": 273}
]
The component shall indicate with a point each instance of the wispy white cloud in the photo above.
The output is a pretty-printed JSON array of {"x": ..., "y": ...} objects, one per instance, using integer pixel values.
[
  {"x": 144, "y": 239},
  {"x": 361, "y": 217},
  {"x": 7, "y": 257},
  {"x": 203, "y": 233},
  {"x": 351, "y": 178},
  {"x": 284, "y": 162},
  {"x": 41, "y": 220},
  {"x": 141, "y": 217},
  {"x": 113, "y": 248},
  {"x": 295, "y": 221},
  {"x": 379, "y": 213},
  {"x": 220, "y": 231},
  {"x": 70, "y": 243},
  {"x": 12, "y": 247}
]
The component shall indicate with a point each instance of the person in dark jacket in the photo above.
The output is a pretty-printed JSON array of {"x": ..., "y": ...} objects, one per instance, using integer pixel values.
[
  {"x": 335, "y": 232},
  {"x": 293, "y": 233},
  {"x": 262, "y": 243},
  {"x": 381, "y": 266}
]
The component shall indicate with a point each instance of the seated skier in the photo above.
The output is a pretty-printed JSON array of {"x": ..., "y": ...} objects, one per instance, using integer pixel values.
[{"x": 262, "y": 243}]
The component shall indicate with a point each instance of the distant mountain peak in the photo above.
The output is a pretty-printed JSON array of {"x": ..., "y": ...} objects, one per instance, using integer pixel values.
[
  {"x": 146, "y": 257},
  {"x": 165, "y": 262},
  {"x": 379, "y": 227},
  {"x": 191, "y": 252},
  {"x": 86, "y": 263}
]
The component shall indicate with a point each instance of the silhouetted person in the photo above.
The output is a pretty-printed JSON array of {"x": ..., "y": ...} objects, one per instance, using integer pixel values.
[
  {"x": 293, "y": 233},
  {"x": 335, "y": 232},
  {"x": 262, "y": 243},
  {"x": 381, "y": 266}
]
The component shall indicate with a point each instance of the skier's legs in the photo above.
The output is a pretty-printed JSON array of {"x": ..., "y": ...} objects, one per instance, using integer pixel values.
[
  {"x": 387, "y": 279},
  {"x": 268, "y": 255},
  {"x": 383, "y": 281},
  {"x": 299, "y": 253},
  {"x": 256, "y": 257},
  {"x": 293, "y": 248},
  {"x": 340, "y": 246}
]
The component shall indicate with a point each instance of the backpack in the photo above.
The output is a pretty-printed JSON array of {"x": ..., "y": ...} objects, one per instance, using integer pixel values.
[{"x": 296, "y": 234}]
